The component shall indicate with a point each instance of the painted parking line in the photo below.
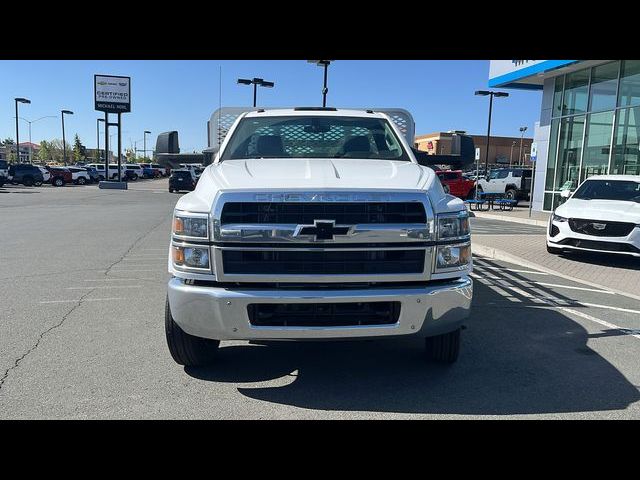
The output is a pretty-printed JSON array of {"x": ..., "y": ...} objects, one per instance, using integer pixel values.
[
  {"x": 604, "y": 323},
  {"x": 103, "y": 286},
  {"x": 117, "y": 279},
  {"x": 85, "y": 300},
  {"x": 532, "y": 272}
]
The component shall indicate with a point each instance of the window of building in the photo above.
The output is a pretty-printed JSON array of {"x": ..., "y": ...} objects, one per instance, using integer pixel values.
[
  {"x": 629, "y": 93},
  {"x": 557, "y": 97},
  {"x": 576, "y": 89},
  {"x": 604, "y": 83},
  {"x": 626, "y": 156},
  {"x": 569, "y": 151},
  {"x": 551, "y": 159},
  {"x": 595, "y": 159}
]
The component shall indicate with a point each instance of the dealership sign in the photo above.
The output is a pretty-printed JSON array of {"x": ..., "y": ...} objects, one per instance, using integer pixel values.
[{"x": 112, "y": 94}]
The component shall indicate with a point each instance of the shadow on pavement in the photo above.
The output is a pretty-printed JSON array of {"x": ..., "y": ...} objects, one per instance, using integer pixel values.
[
  {"x": 605, "y": 259},
  {"x": 516, "y": 358}
]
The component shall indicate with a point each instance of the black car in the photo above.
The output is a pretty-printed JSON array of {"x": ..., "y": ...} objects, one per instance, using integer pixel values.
[
  {"x": 25, "y": 174},
  {"x": 181, "y": 180}
]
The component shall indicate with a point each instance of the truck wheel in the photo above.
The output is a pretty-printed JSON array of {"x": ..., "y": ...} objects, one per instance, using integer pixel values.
[
  {"x": 186, "y": 349},
  {"x": 443, "y": 348},
  {"x": 511, "y": 194}
]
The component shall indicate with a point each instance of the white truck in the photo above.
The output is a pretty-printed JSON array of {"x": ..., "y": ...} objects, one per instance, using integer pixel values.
[
  {"x": 514, "y": 183},
  {"x": 317, "y": 223}
]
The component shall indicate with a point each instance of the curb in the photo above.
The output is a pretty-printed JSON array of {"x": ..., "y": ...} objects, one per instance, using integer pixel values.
[
  {"x": 496, "y": 254},
  {"x": 528, "y": 221}
]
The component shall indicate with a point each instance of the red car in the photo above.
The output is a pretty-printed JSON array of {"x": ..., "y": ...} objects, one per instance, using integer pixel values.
[
  {"x": 456, "y": 184},
  {"x": 60, "y": 176}
]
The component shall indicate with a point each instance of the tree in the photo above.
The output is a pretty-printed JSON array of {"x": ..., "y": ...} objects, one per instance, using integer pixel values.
[
  {"x": 79, "y": 150},
  {"x": 9, "y": 145}
]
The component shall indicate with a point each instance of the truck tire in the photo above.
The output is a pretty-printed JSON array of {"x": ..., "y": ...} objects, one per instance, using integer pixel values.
[
  {"x": 511, "y": 194},
  {"x": 444, "y": 348},
  {"x": 186, "y": 349}
]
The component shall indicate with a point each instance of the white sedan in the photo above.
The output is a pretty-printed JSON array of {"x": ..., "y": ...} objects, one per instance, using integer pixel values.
[{"x": 602, "y": 215}]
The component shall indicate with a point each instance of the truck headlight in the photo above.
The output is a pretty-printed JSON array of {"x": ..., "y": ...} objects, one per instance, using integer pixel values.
[
  {"x": 452, "y": 226},
  {"x": 187, "y": 256},
  {"x": 191, "y": 225},
  {"x": 453, "y": 257}
]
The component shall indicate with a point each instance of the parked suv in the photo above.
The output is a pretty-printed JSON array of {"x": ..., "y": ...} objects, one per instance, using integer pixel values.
[
  {"x": 181, "y": 179},
  {"x": 134, "y": 171},
  {"x": 602, "y": 215},
  {"x": 514, "y": 183},
  {"x": 60, "y": 176},
  {"x": 79, "y": 175},
  {"x": 160, "y": 168},
  {"x": 25, "y": 174},
  {"x": 456, "y": 184},
  {"x": 4, "y": 172}
]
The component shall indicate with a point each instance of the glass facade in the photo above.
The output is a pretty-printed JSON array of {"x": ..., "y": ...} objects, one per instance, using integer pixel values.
[{"x": 595, "y": 127}]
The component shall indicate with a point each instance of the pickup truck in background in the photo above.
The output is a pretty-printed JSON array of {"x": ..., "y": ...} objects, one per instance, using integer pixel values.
[
  {"x": 514, "y": 183},
  {"x": 317, "y": 223}
]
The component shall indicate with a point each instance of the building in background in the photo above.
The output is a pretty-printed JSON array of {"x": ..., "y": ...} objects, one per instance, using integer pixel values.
[
  {"x": 502, "y": 150},
  {"x": 589, "y": 119},
  {"x": 25, "y": 147}
]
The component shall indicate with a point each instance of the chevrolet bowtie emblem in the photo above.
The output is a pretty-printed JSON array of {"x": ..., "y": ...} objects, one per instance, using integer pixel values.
[{"x": 322, "y": 229}]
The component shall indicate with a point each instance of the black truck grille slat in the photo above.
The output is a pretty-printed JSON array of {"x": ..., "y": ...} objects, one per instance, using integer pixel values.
[
  {"x": 323, "y": 262},
  {"x": 323, "y": 314},
  {"x": 612, "y": 229},
  {"x": 306, "y": 213}
]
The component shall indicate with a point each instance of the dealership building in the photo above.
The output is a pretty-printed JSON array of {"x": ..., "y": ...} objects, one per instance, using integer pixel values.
[{"x": 589, "y": 119}]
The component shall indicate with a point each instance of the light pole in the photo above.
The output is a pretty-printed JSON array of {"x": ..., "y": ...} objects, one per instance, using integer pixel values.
[
  {"x": 145, "y": 141},
  {"x": 491, "y": 95},
  {"x": 522, "y": 130},
  {"x": 255, "y": 82},
  {"x": 30, "y": 122},
  {"x": 98, "y": 120},
  {"x": 19, "y": 100},
  {"x": 325, "y": 90},
  {"x": 513, "y": 144},
  {"x": 64, "y": 143}
]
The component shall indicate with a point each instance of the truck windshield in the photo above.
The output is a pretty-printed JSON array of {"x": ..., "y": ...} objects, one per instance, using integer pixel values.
[
  {"x": 609, "y": 190},
  {"x": 314, "y": 137}
]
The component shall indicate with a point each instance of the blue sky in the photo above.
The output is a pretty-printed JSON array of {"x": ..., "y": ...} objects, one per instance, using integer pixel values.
[{"x": 182, "y": 94}]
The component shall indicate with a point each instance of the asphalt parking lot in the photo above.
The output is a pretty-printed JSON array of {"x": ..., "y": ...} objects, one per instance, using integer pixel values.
[{"x": 83, "y": 280}]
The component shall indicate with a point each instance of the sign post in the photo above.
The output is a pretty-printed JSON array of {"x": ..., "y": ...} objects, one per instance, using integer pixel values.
[
  {"x": 477, "y": 170},
  {"x": 112, "y": 94},
  {"x": 533, "y": 157}
]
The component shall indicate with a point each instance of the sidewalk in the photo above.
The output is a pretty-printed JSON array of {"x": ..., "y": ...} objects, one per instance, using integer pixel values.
[
  {"x": 620, "y": 274},
  {"x": 518, "y": 215}
]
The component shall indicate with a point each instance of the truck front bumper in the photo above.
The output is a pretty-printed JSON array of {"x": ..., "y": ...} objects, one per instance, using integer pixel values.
[{"x": 221, "y": 313}]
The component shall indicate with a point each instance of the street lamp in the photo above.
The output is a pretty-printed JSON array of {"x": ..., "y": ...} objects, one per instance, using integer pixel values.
[
  {"x": 325, "y": 90},
  {"x": 64, "y": 144},
  {"x": 145, "y": 142},
  {"x": 98, "y": 120},
  {"x": 513, "y": 144},
  {"x": 522, "y": 130},
  {"x": 255, "y": 82},
  {"x": 491, "y": 94},
  {"x": 30, "y": 122},
  {"x": 19, "y": 100}
]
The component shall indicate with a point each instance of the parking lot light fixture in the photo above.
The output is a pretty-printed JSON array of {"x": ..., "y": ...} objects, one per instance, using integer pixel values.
[
  {"x": 255, "y": 82},
  {"x": 19, "y": 100},
  {"x": 491, "y": 94},
  {"x": 324, "y": 64},
  {"x": 64, "y": 144},
  {"x": 145, "y": 142},
  {"x": 520, "y": 159}
]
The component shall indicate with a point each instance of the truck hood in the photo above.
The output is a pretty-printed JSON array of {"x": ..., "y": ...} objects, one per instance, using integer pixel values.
[
  {"x": 317, "y": 173},
  {"x": 605, "y": 210}
]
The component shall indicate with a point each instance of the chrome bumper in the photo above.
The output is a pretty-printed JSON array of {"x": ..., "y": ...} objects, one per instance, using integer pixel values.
[{"x": 220, "y": 313}]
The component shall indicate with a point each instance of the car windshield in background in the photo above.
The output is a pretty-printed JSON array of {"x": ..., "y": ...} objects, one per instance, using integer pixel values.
[
  {"x": 609, "y": 190},
  {"x": 314, "y": 137}
]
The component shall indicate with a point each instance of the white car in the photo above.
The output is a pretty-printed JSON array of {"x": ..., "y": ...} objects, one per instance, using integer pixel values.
[
  {"x": 113, "y": 170},
  {"x": 136, "y": 169},
  {"x": 45, "y": 174},
  {"x": 602, "y": 215},
  {"x": 80, "y": 175},
  {"x": 160, "y": 168}
]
